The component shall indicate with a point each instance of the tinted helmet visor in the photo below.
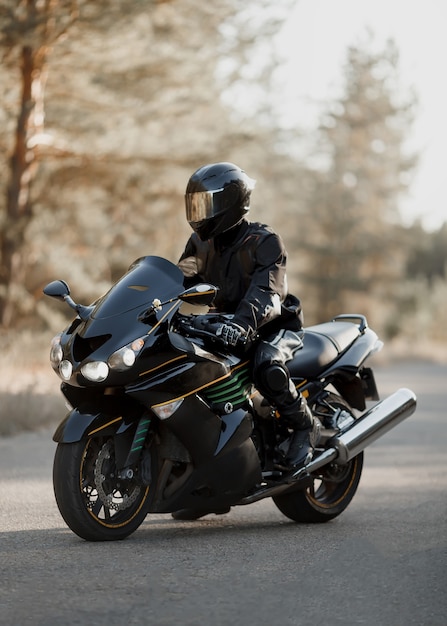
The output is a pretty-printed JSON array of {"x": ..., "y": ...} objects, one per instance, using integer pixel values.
[{"x": 203, "y": 205}]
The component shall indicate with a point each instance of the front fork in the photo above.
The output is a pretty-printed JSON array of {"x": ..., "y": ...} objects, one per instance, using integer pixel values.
[{"x": 129, "y": 444}]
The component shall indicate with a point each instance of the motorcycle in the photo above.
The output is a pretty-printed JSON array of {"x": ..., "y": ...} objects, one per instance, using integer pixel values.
[{"x": 162, "y": 418}]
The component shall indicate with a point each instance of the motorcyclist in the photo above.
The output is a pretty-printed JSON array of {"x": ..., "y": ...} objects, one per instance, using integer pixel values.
[{"x": 247, "y": 261}]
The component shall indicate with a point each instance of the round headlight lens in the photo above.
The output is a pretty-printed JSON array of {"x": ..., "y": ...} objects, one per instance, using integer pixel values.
[
  {"x": 56, "y": 353},
  {"x": 96, "y": 371},
  {"x": 65, "y": 369},
  {"x": 126, "y": 357}
]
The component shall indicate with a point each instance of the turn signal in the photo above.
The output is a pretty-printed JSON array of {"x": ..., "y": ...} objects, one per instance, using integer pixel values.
[{"x": 163, "y": 411}]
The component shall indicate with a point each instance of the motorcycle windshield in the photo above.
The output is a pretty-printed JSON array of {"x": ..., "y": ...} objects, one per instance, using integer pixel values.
[{"x": 148, "y": 278}]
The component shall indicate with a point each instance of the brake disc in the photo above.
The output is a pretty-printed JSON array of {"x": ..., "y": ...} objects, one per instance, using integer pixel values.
[{"x": 118, "y": 499}]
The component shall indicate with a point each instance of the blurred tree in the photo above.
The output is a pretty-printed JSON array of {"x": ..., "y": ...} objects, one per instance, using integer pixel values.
[
  {"x": 29, "y": 30},
  {"x": 348, "y": 238},
  {"x": 133, "y": 105},
  {"x": 427, "y": 256},
  {"x": 421, "y": 297}
]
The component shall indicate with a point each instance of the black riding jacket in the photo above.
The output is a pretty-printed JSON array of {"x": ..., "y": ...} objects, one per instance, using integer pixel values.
[{"x": 248, "y": 264}]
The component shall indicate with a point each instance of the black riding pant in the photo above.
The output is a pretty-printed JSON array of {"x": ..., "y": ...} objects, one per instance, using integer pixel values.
[{"x": 272, "y": 378}]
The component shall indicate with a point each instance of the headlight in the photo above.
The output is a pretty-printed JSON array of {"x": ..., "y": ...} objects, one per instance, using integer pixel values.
[
  {"x": 56, "y": 351},
  {"x": 96, "y": 371},
  {"x": 65, "y": 369},
  {"x": 125, "y": 357}
]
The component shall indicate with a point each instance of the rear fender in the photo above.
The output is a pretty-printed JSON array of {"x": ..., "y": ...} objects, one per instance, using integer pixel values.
[
  {"x": 350, "y": 387},
  {"x": 354, "y": 382}
]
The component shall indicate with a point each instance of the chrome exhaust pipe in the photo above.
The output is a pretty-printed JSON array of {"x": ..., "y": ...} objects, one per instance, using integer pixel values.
[{"x": 381, "y": 418}]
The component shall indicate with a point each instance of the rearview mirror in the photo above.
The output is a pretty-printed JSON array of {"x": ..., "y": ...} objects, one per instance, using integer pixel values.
[
  {"x": 202, "y": 294},
  {"x": 57, "y": 289}
]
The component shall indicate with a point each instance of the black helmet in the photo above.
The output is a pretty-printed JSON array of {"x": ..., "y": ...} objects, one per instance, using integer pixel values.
[{"x": 217, "y": 197}]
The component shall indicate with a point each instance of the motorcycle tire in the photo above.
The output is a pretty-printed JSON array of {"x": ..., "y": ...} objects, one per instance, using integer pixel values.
[
  {"x": 329, "y": 492},
  {"x": 328, "y": 495},
  {"x": 93, "y": 502}
]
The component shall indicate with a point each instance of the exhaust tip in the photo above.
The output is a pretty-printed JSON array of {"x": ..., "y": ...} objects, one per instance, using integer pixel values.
[{"x": 373, "y": 424}]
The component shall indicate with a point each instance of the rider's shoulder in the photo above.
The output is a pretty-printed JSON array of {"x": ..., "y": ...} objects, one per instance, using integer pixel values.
[{"x": 261, "y": 229}]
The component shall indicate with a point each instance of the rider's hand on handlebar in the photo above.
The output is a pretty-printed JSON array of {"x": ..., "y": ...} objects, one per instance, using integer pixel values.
[
  {"x": 226, "y": 333},
  {"x": 229, "y": 334}
]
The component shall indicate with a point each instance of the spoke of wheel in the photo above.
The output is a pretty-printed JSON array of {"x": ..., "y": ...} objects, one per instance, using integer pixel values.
[
  {"x": 107, "y": 514},
  {"x": 98, "y": 505}
]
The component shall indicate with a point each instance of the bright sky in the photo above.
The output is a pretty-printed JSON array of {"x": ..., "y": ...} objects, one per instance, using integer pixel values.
[{"x": 316, "y": 39}]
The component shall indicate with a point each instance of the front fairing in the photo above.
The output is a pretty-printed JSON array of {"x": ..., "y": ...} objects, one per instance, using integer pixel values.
[
  {"x": 148, "y": 278},
  {"x": 118, "y": 318}
]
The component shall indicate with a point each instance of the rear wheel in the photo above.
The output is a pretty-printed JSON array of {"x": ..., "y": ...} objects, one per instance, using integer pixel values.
[
  {"x": 95, "y": 503},
  {"x": 326, "y": 497},
  {"x": 330, "y": 492}
]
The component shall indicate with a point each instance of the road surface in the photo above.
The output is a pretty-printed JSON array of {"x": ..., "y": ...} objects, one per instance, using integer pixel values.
[{"x": 383, "y": 562}]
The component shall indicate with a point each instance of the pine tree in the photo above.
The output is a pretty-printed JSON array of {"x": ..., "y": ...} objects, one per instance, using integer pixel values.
[{"x": 354, "y": 200}]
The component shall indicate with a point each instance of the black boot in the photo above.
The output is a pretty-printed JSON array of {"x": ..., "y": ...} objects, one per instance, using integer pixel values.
[
  {"x": 304, "y": 438},
  {"x": 302, "y": 446}
]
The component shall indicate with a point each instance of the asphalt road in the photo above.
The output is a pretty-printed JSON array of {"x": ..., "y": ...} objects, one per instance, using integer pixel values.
[{"x": 383, "y": 562}]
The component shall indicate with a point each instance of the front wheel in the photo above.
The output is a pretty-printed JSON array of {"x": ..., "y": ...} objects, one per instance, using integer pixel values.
[
  {"x": 94, "y": 502},
  {"x": 326, "y": 497}
]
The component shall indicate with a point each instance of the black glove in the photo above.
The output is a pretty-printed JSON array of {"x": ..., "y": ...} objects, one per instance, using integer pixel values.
[
  {"x": 230, "y": 334},
  {"x": 226, "y": 333}
]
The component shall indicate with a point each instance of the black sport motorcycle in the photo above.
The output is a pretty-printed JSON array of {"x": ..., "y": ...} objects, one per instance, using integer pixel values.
[{"x": 163, "y": 419}]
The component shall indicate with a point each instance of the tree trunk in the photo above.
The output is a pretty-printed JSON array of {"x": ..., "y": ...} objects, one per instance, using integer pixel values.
[{"x": 23, "y": 167}]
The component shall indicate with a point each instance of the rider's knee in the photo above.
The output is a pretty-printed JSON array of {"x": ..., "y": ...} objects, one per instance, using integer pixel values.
[{"x": 273, "y": 379}]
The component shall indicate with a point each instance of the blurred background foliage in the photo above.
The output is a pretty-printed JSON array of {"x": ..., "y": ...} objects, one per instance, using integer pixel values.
[{"x": 107, "y": 107}]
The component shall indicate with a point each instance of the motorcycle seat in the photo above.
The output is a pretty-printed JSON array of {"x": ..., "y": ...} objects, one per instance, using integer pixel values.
[{"x": 322, "y": 344}]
